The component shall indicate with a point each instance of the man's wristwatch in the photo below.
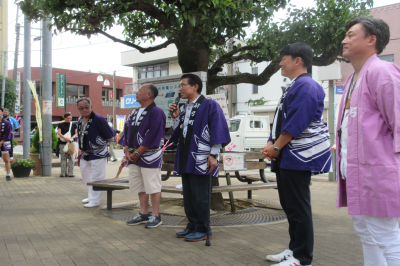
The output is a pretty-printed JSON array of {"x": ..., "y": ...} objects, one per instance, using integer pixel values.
[
  {"x": 275, "y": 148},
  {"x": 214, "y": 156},
  {"x": 137, "y": 154}
]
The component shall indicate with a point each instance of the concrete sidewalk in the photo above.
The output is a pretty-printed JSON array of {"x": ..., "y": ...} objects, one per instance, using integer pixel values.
[{"x": 43, "y": 222}]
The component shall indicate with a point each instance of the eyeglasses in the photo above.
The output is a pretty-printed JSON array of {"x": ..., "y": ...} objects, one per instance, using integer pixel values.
[
  {"x": 83, "y": 108},
  {"x": 183, "y": 84}
]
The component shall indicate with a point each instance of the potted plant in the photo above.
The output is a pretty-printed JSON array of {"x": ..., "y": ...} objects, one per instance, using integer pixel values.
[
  {"x": 21, "y": 167},
  {"x": 35, "y": 150}
]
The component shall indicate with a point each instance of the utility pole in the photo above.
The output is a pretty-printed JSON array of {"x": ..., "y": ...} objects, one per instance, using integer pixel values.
[
  {"x": 47, "y": 100},
  {"x": 3, "y": 89},
  {"x": 17, "y": 28},
  {"x": 230, "y": 86},
  {"x": 27, "y": 90},
  {"x": 114, "y": 103}
]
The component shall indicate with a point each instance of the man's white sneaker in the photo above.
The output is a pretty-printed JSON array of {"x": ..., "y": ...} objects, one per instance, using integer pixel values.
[
  {"x": 290, "y": 262},
  {"x": 285, "y": 255},
  {"x": 85, "y": 201},
  {"x": 90, "y": 205}
]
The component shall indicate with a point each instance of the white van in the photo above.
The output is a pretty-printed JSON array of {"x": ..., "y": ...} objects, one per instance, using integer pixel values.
[{"x": 249, "y": 132}]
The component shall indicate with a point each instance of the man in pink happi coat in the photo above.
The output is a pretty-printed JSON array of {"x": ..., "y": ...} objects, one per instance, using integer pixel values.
[{"x": 368, "y": 142}]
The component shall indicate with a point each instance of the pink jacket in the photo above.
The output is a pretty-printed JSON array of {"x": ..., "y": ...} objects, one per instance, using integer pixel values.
[{"x": 372, "y": 186}]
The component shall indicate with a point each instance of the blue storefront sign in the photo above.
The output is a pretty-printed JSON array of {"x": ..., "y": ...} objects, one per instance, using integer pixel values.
[
  {"x": 339, "y": 89},
  {"x": 130, "y": 101}
]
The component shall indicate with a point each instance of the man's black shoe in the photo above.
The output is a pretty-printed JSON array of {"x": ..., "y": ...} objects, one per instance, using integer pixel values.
[
  {"x": 153, "y": 222},
  {"x": 197, "y": 236},
  {"x": 8, "y": 178},
  {"x": 114, "y": 160},
  {"x": 138, "y": 219},
  {"x": 184, "y": 233}
]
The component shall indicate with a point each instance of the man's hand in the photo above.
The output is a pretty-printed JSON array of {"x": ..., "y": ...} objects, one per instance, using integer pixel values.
[
  {"x": 271, "y": 153},
  {"x": 264, "y": 151},
  {"x": 133, "y": 157},
  {"x": 212, "y": 163},
  {"x": 173, "y": 107},
  {"x": 128, "y": 155}
]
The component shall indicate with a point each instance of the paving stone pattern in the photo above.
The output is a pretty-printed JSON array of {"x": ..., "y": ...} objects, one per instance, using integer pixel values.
[{"x": 43, "y": 222}]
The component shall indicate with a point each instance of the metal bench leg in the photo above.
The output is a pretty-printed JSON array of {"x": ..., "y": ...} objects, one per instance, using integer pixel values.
[
  {"x": 109, "y": 199},
  {"x": 249, "y": 192},
  {"x": 231, "y": 199},
  {"x": 262, "y": 173}
]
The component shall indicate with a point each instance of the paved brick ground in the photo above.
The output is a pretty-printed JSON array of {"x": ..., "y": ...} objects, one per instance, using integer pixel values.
[{"x": 43, "y": 222}]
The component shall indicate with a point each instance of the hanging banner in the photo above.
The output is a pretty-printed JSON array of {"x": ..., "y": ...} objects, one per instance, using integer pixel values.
[
  {"x": 38, "y": 112},
  {"x": 61, "y": 84},
  {"x": 221, "y": 100},
  {"x": 120, "y": 122},
  {"x": 17, "y": 107}
]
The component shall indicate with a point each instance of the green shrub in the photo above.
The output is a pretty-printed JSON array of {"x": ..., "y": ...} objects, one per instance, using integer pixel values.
[
  {"x": 14, "y": 143},
  {"x": 35, "y": 141}
]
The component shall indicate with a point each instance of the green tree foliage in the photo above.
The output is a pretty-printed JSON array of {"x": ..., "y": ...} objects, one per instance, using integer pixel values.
[
  {"x": 10, "y": 94},
  {"x": 201, "y": 29}
]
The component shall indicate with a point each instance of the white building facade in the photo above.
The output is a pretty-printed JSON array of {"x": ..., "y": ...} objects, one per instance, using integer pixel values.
[{"x": 164, "y": 62}]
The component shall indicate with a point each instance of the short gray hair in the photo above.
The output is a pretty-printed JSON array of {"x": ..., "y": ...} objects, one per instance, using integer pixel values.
[
  {"x": 84, "y": 99},
  {"x": 153, "y": 90}
]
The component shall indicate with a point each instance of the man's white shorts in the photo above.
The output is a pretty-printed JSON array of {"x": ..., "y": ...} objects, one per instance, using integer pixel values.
[{"x": 144, "y": 179}]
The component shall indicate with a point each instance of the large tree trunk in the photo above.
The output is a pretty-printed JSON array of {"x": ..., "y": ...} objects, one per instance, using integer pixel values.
[
  {"x": 217, "y": 201},
  {"x": 193, "y": 57}
]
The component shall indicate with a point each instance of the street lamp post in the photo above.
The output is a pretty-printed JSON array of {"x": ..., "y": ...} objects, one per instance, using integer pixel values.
[{"x": 114, "y": 104}]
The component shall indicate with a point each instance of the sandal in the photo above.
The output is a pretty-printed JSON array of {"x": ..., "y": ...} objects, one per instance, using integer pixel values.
[{"x": 62, "y": 175}]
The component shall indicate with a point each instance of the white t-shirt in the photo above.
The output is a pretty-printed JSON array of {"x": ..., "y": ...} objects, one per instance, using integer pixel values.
[
  {"x": 343, "y": 143},
  {"x": 139, "y": 113}
]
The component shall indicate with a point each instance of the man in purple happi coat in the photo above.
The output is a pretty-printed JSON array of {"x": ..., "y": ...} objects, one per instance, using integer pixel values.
[
  {"x": 5, "y": 143},
  {"x": 94, "y": 135},
  {"x": 201, "y": 130},
  {"x": 368, "y": 142},
  {"x": 143, "y": 135}
]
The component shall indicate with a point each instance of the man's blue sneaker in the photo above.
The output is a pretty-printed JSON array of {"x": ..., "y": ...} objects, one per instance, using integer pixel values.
[
  {"x": 197, "y": 236},
  {"x": 139, "y": 219},
  {"x": 184, "y": 233},
  {"x": 153, "y": 222},
  {"x": 8, "y": 178}
]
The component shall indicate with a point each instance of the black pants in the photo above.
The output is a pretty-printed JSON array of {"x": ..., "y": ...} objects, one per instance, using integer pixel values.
[
  {"x": 195, "y": 200},
  {"x": 295, "y": 198}
]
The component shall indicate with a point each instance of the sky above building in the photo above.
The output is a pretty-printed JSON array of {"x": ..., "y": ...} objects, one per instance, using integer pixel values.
[{"x": 97, "y": 54}]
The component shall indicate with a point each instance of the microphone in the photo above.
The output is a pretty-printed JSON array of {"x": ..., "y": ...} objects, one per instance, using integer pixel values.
[{"x": 177, "y": 99}]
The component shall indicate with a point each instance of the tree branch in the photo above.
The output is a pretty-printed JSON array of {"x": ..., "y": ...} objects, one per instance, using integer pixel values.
[
  {"x": 139, "y": 48},
  {"x": 227, "y": 58},
  {"x": 152, "y": 11},
  {"x": 247, "y": 56},
  {"x": 327, "y": 58},
  {"x": 261, "y": 79}
]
